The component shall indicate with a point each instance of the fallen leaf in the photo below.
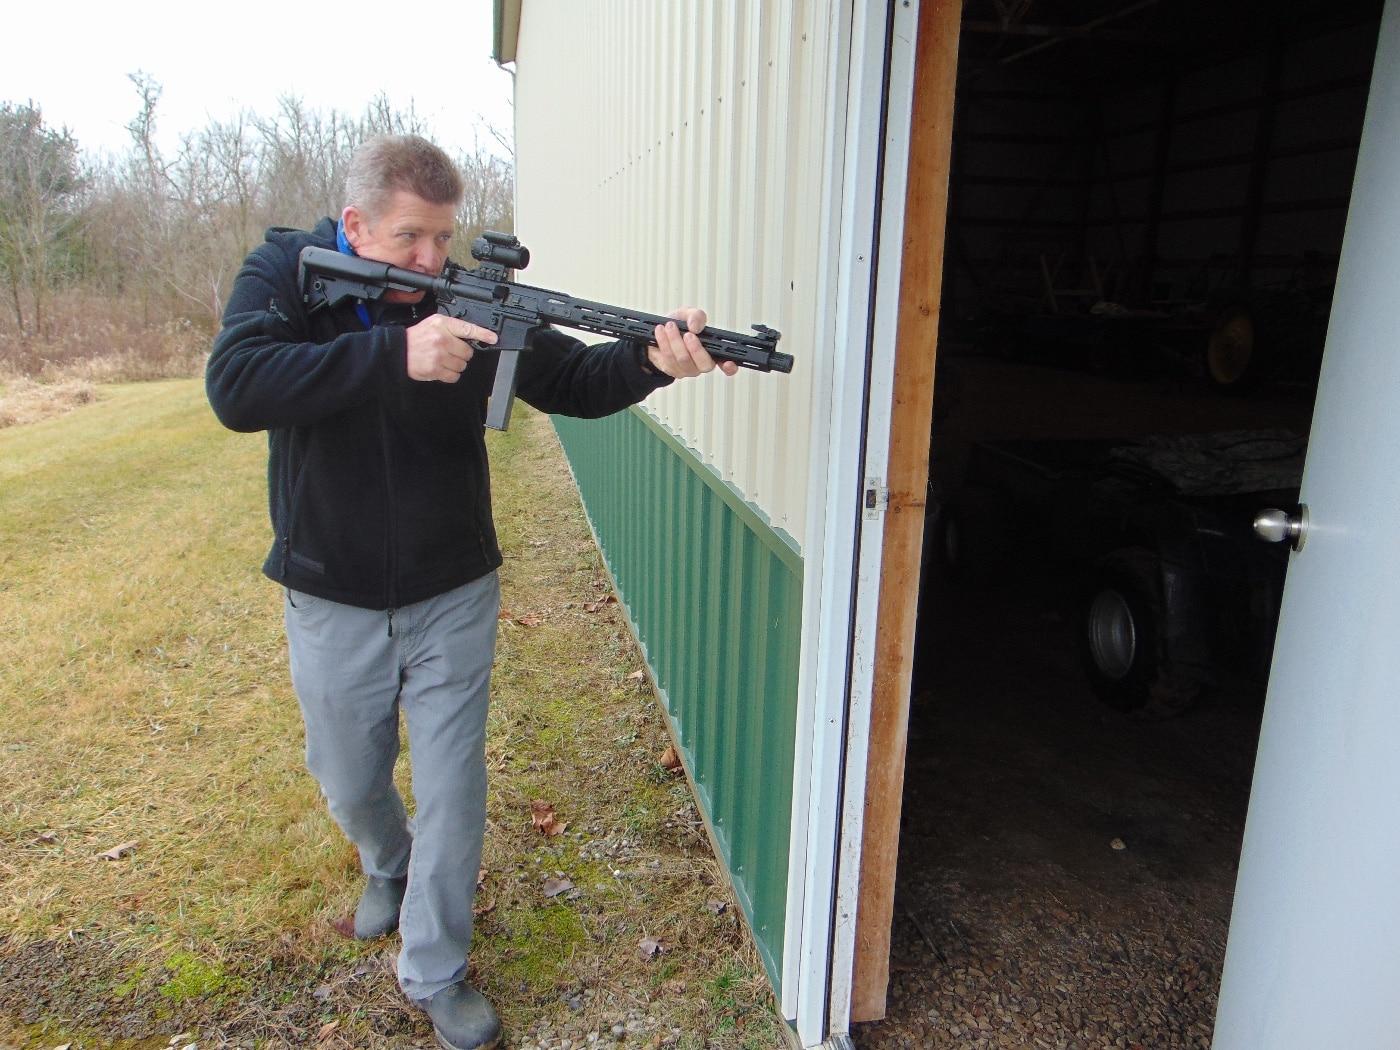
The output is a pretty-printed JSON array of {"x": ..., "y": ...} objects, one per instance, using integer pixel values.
[
  {"x": 505, "y": 614},
  {"x": 326, "y": 1030},
  {"x": 529, "y": 620},
  {"x": 554, "y": 887},
  {"x": 650, "y": 947},
  {"x": 670, "y": 759},
  {"x": 117, "y": 852},
  {"x": 483, "y": 909},
  {"x": 541, "y": 812},
  {"x": 601, "y": 603},
  {"x": 48, "y": 838},
  {"x": 542, "y": 816},
  {"x": 638, "y": 675},
  {"x": 344, "y": 926},
  {"x": 480, "y": 878},
  {"x": 175, "y": 1039},
  {"x": 716, "y": 907}
]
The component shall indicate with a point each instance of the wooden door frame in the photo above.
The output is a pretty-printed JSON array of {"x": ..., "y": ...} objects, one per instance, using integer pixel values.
[{"x": 921, "y": 278}]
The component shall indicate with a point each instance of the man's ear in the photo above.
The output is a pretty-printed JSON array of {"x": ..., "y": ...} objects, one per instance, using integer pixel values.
[{"x": 356, "y": 225}]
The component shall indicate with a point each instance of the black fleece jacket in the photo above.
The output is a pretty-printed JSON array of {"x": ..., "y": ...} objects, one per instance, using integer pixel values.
[{"x": 379, "y": 487}]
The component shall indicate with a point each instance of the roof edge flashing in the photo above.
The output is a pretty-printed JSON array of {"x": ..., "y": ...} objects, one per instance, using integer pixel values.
[{"x": 505, "y": 30}]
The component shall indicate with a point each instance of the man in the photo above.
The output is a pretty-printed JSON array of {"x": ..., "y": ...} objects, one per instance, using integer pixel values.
[{"x": 383, "y": 539}]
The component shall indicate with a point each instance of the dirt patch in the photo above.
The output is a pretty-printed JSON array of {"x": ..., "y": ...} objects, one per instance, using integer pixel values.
[
  {"x": 121, "y": 1000},
  {"x": 286, "y": 1000},
  {"x": 1066, "y": 871}
]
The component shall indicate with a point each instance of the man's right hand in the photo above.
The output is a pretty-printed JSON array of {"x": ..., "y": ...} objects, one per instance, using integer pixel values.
[{"x": 438, "y": 347}]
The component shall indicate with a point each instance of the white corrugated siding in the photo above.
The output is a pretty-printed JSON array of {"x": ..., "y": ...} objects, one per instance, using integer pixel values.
[{"x": 687, "y": 174}]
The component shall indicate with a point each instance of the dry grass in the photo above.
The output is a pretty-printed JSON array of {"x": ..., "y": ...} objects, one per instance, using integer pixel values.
[
  {"x": 146, "y": 701},
  {"x": 138, "y": 619},
  {"x": 100, "y": 339},
  {"x": 88, "y": 341},
  {"x": 25, "y": 401}
]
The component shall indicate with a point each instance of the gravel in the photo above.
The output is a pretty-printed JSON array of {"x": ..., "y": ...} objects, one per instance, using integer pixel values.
[
  {"x": 1066, "y": 871},
  {"x": 975, "y": 969}
]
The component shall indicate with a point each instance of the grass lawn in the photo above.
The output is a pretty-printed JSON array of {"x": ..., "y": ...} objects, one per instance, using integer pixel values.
[{"x": 166, "y": 865}]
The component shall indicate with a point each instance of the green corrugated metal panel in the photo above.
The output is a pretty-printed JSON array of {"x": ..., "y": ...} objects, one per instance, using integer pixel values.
[{"x": 715, "y": 596}]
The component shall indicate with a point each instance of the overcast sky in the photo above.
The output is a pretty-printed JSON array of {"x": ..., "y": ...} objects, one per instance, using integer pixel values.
[{"x": 72, "y": 59}]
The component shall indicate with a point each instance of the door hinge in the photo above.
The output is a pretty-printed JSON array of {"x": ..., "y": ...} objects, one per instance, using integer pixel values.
[{"x": 877, "y": 497}]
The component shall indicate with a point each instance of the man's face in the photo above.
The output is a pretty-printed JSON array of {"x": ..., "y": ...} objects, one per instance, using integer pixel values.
[{"x": 411, "y": 234}]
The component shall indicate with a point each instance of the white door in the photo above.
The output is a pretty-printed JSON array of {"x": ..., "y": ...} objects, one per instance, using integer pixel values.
[{"x": 1313, "y": 959}]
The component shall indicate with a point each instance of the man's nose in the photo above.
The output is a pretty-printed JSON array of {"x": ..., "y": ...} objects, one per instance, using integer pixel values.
[{"x": 429, "y": 259}]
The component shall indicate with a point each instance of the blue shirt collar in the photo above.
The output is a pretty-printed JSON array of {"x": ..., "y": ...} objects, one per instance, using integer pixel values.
[{"x": 342, "y": 242}]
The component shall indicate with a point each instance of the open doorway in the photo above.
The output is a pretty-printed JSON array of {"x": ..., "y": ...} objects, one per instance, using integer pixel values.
[{"x": 1146, "y": 209}]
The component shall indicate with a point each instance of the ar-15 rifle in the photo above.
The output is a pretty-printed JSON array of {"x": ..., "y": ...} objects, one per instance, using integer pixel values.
[{"x": 487, "y": 297}]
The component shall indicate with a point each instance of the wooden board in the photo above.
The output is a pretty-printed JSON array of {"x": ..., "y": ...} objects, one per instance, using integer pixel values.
[{"x": 926, "y": 206}]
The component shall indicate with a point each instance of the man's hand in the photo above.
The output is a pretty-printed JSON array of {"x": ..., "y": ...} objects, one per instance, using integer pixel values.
[
  {"x": 681, "y": 355},
  {"x": 438, "y": 347}
]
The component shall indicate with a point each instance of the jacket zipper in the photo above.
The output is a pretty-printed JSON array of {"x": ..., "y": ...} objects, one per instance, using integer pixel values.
[
  {"x": 391, "y": 590},
  {"x": 391, "y": 571}
]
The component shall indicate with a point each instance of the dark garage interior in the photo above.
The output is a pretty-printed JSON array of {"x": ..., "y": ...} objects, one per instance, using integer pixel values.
[{"x": 1146, "y": 210}]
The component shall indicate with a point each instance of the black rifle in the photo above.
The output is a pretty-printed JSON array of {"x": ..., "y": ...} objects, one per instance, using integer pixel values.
[{"x": 487, "y": 297}]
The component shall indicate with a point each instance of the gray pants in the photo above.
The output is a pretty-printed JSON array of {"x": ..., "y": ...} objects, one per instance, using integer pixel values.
[{"x": 353, "y": 670}]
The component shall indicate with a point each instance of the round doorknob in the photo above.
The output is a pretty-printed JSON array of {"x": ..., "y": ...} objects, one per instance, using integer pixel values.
[{"x": 1279, "y": 526}]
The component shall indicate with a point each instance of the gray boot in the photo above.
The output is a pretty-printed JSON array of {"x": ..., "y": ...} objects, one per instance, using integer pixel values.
[
  {"x": 378, "y": 911},
  {"x": 462, "y": 1018}
]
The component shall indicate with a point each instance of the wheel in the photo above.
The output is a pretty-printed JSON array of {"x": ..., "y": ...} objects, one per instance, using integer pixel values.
[
  {"x": 1233, "y": 360},
  {"x": 1123, "y": 640}
]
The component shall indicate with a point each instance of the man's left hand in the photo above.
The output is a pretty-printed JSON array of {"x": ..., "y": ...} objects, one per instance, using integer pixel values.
[{"x": 679, "y": 354}]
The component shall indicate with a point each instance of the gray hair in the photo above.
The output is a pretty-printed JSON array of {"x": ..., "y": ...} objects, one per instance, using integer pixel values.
[{"x": 388, "y": 163}]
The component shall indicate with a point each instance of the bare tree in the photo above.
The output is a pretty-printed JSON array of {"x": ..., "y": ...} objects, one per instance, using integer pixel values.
[
  {"x": 489, "y": 200},
  {"x": 170, "y": 231},
  {"x": 40, "y": 182},
  {"x": 145, "y": 188}
]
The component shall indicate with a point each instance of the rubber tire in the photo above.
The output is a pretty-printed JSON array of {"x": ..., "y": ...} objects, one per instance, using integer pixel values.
[{"x": 1122, "y": 640}]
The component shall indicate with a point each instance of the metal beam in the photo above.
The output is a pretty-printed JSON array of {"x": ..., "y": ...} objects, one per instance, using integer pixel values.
[
  {"x": 1059, "y": 32},
  {"x": 1086, "y": 28}
]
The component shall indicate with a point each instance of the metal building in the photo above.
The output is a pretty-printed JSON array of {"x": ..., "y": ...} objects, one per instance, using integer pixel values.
[
  {"x": 728, "y": 511},
  {"x": 787, "y": 162}
]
